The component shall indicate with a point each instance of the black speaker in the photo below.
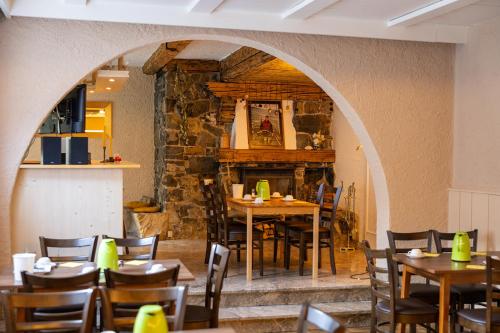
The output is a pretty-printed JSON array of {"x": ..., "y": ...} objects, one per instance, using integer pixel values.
[
  {"x": 51, "y": 150},
  {"x": 77, "y": 150}
]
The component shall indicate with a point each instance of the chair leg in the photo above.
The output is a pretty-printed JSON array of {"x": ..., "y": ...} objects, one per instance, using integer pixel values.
[
  {"x": 302, "y": 253},
  {"x": 275, "y": 249},
  {"x": 286, "y": 250},
  {"x": 319, "y": 257},
  {"x": 238, "y": 252},
  {"x": 261, "y": 255},
  {"x": 332, "y": 256},
  {"x": 413, "y": 328},
  {"x": 207, "y": 249}
]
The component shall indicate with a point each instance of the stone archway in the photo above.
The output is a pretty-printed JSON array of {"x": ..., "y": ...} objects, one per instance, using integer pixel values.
[{"x": 115, "y": 39}]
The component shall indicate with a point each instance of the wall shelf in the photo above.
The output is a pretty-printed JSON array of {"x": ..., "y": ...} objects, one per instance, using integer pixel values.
[{"x": 276, "y": 156}]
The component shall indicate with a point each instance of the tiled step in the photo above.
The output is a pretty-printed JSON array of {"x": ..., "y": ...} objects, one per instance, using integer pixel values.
[
  {"x": 283, "y": 318},
  {"x": 285, "y": 296}
]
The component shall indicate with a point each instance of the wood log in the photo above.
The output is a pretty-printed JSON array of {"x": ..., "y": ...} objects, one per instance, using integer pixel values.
[
  {"x": 267, "y": 91},
  {"x": 165, "y": 53},
  {"x": 193, "y": 65},
  {"x": 243, "y": 61}
]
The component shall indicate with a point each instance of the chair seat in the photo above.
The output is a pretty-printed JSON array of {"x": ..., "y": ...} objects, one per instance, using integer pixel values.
[
  {"x": 478, "y": 316},
  {"x": 240, "y": 228},
  {"x": 307, "y": 229},
  {"x": 470, "y": 293},
  {"x": 409, "y": 306},
  {"x": 428, "y": 293},
  {"x": 196, "y": 314}
]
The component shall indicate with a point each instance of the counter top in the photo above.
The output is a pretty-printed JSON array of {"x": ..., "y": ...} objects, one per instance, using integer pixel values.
[{"x": 93, "y": 165}]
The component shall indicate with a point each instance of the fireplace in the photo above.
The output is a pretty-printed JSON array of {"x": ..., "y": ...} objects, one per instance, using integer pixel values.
[{"x": 281, "y": 179}]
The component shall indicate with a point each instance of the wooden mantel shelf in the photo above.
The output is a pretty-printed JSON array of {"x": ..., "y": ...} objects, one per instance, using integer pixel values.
[{"x": 276, "y": 155}]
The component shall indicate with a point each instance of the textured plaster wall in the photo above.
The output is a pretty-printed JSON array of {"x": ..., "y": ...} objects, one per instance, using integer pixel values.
[
  {"x": 477, "y": 110},
  {"x": 350, "y": 166},
  {"x": 133, "y": 112},
  {"x": 398, "y": 96}
]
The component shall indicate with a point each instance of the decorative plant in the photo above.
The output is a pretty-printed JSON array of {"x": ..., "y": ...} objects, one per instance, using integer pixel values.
[{"x": 318, "y": 139}]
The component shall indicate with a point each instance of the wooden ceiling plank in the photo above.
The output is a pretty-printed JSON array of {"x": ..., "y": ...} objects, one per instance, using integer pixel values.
[
  {"x": 425, "y": 13},
  {"x": 307, "y": 8},
  {"x": 243, "y": 61},
  {"x": 163, "y": 55}
]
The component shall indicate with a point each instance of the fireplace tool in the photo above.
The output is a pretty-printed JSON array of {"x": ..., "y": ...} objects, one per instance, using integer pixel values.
[{"x": 349, "y": 218}]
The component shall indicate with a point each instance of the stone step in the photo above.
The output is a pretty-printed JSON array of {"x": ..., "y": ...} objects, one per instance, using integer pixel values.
[
  {"x": 285, "y": 296},
  {"x": 283, "y": 318}
]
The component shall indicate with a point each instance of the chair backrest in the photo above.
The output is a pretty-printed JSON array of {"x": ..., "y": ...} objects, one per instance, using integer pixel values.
[
  {"x": 120, "y": 280},
  {"x": 173, "y": 300},
  {"x": 90, "y": 242},
  {"x": 217, "y": 269},
  {"x": 383, "y": 280},
  {"x": 402, "y": 242},
  {"x": 221, "y": 212},
  {"x": 127, "y": 243},
  {"x": 208, "y": 196},
  {"x": 492, "y": 293},
  {"x": 441, "y": 237},
  {"x": 13, "y": 302},
  {"x": 41, "y": 283},
  {"x": 309, "y": 315}
]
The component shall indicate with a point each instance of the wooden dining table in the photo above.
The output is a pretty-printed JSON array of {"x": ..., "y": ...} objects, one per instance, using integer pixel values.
[
  {"x": 274, "y": 207},
  {"x": 75, "y": 267},
  {"x": 442, "y": 269}
]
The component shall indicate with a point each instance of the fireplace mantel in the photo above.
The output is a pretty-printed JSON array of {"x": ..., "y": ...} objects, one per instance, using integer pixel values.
[{"x": 276, "y": 156}]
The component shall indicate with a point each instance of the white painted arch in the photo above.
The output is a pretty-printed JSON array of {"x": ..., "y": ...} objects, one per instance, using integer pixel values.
[{"x": 373, "y": 159}]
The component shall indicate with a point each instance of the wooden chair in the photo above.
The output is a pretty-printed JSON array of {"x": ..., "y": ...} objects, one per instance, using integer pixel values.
[
  {"x": 36, "y": 283},
  {"x": 90, "y": 242},
  {"x": 173, "y": 300},
  {"x": 311, "y": 316},
  {"x": 233, "y": 235},
  {"x": 16, "y": 303},
  {"x": 485, "y": 320},
  {"x": 127, "y": 243},
  {"x": 281, "y": 228},
  {"x": 208, "y": 315},
  {"x": 468, "y": 293},
  {"x": 402, "y": 242},
  {"x": 387, "y": 307},
  {"x": 301, "y": 236},
  {"x": 211, "y": 217},
  {"x": 120, "y": 280}
]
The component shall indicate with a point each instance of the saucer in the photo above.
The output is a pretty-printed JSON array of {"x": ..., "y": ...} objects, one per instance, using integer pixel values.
[
  {"x": 276, "y": 196},
  {"x": 248, "y": 199},
  {"x": 416, "y": 257},
  {"x": 289, "y": 200}
]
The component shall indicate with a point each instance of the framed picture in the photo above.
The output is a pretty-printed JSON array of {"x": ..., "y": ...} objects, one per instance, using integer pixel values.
[{"x": 265, "y": 125}]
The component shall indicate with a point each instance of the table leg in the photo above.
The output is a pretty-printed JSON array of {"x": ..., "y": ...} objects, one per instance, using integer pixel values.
[
  {"x": 315, "y": 243},
  {"x": 444, "y": 303},
  {"x": 249, "y": 243},
  {"x": 405, "y": 289}
]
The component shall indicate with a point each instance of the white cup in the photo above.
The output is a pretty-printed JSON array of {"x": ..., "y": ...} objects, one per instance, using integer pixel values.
[
  {"x": 23, "y": 262},
  {"x": 276, "y": 194},
  {"x": 247, "y": 197},
  {"x": 289, "y": 197},
  {"x": 258, "y": 200},
  {"x": 415, "y": 253},
  {"x": 237, "y": 191},
  {"x": 42, "y": 261}
]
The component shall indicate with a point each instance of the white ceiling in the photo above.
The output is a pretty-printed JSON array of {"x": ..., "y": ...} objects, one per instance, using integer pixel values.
[{"x": 423, "y": 20}]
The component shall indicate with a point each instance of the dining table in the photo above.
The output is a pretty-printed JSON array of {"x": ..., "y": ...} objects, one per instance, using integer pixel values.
[
  {"x": 276, "y": 207},
  {"x": 63, "y": 269},
  {"x": 440, "y": 268}
]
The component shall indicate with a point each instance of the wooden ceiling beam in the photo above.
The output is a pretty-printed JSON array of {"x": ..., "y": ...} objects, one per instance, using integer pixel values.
[
  {"x": 193, "y": 65},
  {"x": 242, "y": 61},
  {"x": 267, "y": 91},
  {"x": 163, "y": 55}
]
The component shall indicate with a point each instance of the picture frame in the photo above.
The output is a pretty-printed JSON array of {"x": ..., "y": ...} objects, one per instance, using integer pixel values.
[{"x": 265, "y": 125}]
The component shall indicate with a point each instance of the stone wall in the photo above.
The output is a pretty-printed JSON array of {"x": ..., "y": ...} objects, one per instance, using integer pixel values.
[{"x": 186, "y": 138}]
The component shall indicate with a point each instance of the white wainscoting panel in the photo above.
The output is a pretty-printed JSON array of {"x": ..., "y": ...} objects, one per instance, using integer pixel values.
[
  {"x": 480, "y": 210},
  {"x": 65, "y": 203}
]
